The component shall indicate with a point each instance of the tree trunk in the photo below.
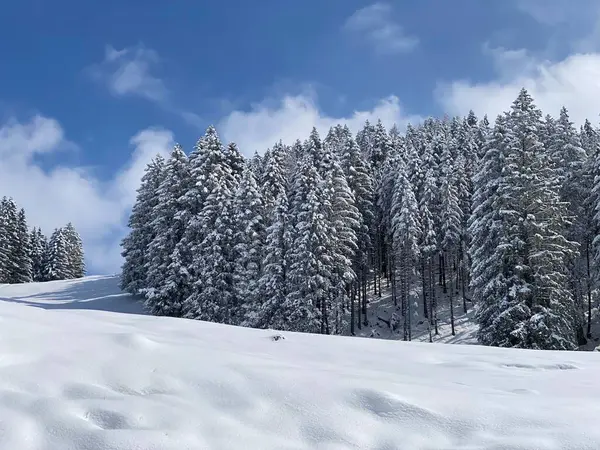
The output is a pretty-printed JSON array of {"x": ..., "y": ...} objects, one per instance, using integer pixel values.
[
  {"x": 589, "y": 290},
  {"x": 452, "y": 308},
  {"x": 424, "y": 289},
  {"x": 443, "y": 272},
  {"x": 434, "y": 305},
  {"x": 364, "y": 298},
  {"x": 352, "y": 302},
  {"x": 408, "y": 299},
  {"x": 464, "y": 288}
]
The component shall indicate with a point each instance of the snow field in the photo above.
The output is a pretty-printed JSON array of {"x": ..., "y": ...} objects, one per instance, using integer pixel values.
[{"x": 82, "y": 368}]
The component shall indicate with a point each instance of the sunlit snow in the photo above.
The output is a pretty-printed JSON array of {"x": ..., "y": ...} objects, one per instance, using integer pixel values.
[{"x": 82, "y": 368}]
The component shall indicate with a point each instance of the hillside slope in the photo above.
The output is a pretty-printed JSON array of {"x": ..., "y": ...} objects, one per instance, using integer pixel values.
[{"x": 82, "y": 368}]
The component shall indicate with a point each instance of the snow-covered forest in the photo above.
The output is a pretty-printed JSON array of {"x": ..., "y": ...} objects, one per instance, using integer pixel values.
[
  {"x": 27, "y": 255},
  {"x": 456, "y": 213}
]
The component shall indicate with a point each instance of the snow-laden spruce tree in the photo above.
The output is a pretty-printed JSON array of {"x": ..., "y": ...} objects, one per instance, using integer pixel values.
[
  {"x": 310, "y": 263},
  {"x": 21, "y": 252},
  {"x": 570, "y": 160},
  {"x": 273, "y": 284},
  {"x": 136, "y": 244},
  {"x": 428, "y": 248},
  {"x": 273, "y": 181},
  {"x": 249, "y": 241},
  {"x": 235, "y": 160},
  {"x": 166, "y": 277},
  {"x": 406, "y": 233},
  {"x": 345, "y": 222},
  {"x": 75, "y": 251},
  {"x": 209, "y": 163},
  {"x": 37, "y": 250},
  {"x": 451, "y": 228},
  {"x": 360, "y": 182},
  {"x": 8, "y": 237},
  {"x": 212, "y": 296},
  {"x": 590, "y": 142},
  {"x": 535, "y": 308},
  {"x": 57, "y": 258},
  {"x": 489, "y": 273}
]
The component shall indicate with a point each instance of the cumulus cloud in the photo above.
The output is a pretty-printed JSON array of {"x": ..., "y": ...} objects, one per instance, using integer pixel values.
[
  {"x": 294, "y": 116},
  {"x": 376, "y": 24},
  {"x": 571, "y": 82},
  {"x": 52, "y": 197}
]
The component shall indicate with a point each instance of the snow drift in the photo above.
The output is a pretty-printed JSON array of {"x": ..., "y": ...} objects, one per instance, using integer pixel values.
[{"x": 81, "y": 367}]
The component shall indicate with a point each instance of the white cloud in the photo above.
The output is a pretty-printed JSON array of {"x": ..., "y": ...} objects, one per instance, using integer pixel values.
[
  {"x": 573, "y": 82},
  {"x": 293, "y": 117},
  {"x": 129, "y": 72},
  {"x": 376, "y": 24},
  {"x": 61, "y": 194}
]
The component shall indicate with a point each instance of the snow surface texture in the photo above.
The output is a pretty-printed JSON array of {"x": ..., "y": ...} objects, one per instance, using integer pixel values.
[{"x": 74, "y": 375}]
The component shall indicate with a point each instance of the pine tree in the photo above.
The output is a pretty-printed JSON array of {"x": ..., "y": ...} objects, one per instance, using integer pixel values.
[
  {"x": 273, "y": 284},
  {"x": 213, "y": 296},
  {"x": 273, "y": 182},
  {"x": 489, "y": 274},
  {"x": 57, "y": 258},
  {"x": 428, "y": 246},
  {"x": 21, "y": 252},
  {"x": 360, "y": 182},
  {"x": 37, "y": 249},
  {"x": 345, "y": 223},
  {"x": 249, "y": 240},
  {"x": 406, "y": 233},
  {"x": 167, "y": 277},
  {"x": 451, "y": 229},
  {"x": 8, "y": 239},
  {"x": 309, "y": 259},
  {"x": 75, "y": 252},
  {"x": 136, "y": 244},
  {"x": 535, "y": 308},
  {"x": 235, "y": 161}
]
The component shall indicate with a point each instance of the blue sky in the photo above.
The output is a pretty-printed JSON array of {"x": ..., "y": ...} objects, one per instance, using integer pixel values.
[{"x": 90, "y": 90}]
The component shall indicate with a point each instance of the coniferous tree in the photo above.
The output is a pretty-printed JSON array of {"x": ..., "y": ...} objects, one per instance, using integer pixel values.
[
  {"x": 535, "y": 309},
  {"x": 21, "y": 252},
  {"x": 406, "y": 232},
  {"x": 213, "y": 294},
  {"x": 75, "y": 252},
  {"x": 37, "y": 249},
  {"x": 166, "y": 277},
  {"x": 489, "y": 273},
  {"x": 360, "y": 182},
  {"x": 309, "y": 258},
  {"x": 249, "y": 240},
  {"x": 57, "y": 257},
  {"x": 136, "y": 244},
  {"x": 274, "y": 283}
]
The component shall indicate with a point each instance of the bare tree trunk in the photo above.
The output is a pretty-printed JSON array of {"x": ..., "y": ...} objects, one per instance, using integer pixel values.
[
  {"x": 352, "y": 302},
  {"x": 589, "y": 290},
  {"x": 379, "y": 266},
  {"x": 424, "y": 286},
  {"x": 434, "y": 303},
  {"x": 364, "y": 298},
  {"x": 393, "y": 277},
  {"x": 464, "y": 288},
  {"x": 443, "y": 272},
  {"x": 409, "y": 300},
  {"x": 452, "y": 308}
]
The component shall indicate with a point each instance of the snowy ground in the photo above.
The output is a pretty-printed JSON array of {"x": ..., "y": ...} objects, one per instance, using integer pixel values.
[{"x": 74, "y": 375}]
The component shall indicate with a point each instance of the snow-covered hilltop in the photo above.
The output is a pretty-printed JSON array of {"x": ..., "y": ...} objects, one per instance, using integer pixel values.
[{"x": 81, "y": 367}]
